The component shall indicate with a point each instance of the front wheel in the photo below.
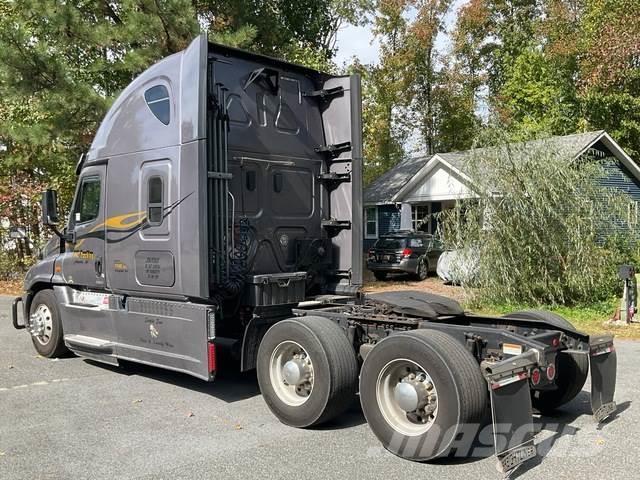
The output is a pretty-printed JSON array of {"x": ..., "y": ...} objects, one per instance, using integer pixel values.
[
  {"x": 419, "y": 391},
  {"x": 46, "y": 325},
  {"x": 307, "y": 371}
]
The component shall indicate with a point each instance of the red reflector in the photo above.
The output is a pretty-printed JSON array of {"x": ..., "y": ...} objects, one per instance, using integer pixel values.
[
  {"x": 551, "y": 371},
  {"x": 212, "y": 357},
  {"x": 407, "y": 252},
  {"x": 535, "y": 376},
  {"x": 555, "y": 342}
]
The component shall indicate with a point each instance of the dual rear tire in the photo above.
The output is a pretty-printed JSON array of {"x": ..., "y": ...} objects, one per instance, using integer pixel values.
[
  {"x": 307, "y": 371},
  {"x": 418, "y": 389}
]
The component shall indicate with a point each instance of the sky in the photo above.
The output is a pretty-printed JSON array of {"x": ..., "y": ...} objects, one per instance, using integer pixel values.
[{"x": 361, "y": 43}]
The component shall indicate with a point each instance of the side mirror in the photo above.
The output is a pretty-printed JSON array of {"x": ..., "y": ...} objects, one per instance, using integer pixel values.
[{"x": 50, "y": 207}]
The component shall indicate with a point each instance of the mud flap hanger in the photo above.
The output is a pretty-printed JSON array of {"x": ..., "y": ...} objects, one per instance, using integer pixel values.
[{"x": 511, "y": 409}]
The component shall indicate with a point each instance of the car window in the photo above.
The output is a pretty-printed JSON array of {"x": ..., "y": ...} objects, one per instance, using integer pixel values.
[
  {"x": 88, "y": 204},
  {"x": 416, "y": 243},
  {"x": 395, "y": 243}
]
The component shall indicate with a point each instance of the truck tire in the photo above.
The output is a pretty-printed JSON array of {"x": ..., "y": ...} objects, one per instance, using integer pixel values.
[
  {"x": 307, "y": 371},
  {"x": 44, "y": 318},
  {"x": 572, "y": 369},
  {"x": 433, "y": 372},
  {"x": 381, "y": 276}
]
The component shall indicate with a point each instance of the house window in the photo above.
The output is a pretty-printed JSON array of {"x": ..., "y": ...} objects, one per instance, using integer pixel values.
[
  {"x": 157, "y": 99},
  {"x": 420, "y": 216},
  {"x": 371, "y": 222}
]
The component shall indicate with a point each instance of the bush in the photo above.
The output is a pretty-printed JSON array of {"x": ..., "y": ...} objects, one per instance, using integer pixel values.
[{"x": 544, "y": 228}]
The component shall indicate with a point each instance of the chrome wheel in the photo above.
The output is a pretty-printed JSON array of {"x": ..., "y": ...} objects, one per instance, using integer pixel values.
[
  {"x": 291, "y": 373},
  {"x": 41, "y": 325},
  {"x": 407, "y": 397}
]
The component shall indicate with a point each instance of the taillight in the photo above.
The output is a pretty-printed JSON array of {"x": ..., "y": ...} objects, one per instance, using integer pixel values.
[
  {"x": 372, "y": 252},
  {"x": 211, "y": 356},
  {"x": 407, "y": 252},
  {"x": 551, "y": 371},
  {"x": 535, "y": 376}
]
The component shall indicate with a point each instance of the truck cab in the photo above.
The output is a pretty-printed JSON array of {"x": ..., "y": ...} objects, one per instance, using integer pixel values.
[{"x": 220, "y": 208}]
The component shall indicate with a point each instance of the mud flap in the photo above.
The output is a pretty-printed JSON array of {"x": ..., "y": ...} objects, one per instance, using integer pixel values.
[
  {"x": 603, "y": 365},
  {"x": 511, "y": 410}
]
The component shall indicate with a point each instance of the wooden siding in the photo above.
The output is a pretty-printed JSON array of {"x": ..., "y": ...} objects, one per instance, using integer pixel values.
[{"x": 619, "y": 177}]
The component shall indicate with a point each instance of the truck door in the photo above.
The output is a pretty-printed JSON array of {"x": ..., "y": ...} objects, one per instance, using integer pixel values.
[{"x": 83, "y": 261}]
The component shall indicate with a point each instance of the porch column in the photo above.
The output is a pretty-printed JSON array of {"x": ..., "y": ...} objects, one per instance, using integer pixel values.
[{"x": 405, "y": 216}]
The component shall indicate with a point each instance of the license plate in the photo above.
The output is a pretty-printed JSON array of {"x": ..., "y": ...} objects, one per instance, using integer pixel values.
[{"x": 386, "y": 258}]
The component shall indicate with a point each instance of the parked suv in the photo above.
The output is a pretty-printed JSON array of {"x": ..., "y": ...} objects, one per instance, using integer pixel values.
[{"x": 415, "y": 253}]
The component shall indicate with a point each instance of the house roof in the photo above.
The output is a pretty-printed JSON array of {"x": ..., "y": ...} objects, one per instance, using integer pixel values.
[
  {"x": 389, "y": 187},
  {"x": 384, "y": 188}
]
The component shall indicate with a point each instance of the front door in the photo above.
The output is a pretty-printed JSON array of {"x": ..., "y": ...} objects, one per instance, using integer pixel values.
[{"x": 83, "y": 260}]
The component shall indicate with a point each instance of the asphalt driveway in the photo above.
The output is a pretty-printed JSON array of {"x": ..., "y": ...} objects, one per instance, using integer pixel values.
[{"x": 75, "y": 419}]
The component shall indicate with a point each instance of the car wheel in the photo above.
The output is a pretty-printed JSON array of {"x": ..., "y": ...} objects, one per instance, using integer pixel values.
[
  {"x": 422, "y": 271},
  {"x": 382, "y": 276}
]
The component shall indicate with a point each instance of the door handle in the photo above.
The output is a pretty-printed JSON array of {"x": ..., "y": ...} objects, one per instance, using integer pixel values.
[{"x": 98, "y": 266}]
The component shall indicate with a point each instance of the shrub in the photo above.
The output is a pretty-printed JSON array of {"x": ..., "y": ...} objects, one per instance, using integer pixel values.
[{"x": 544, "y": 228}]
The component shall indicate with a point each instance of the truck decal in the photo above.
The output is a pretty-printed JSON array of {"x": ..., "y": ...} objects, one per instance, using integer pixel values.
[{"x": 128, "y": 223}]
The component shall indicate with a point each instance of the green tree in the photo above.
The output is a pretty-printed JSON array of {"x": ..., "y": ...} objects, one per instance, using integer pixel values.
[
  {"x": 455, "y": 121},
  {"x": 537, "y": 96},
  {"x": 63, "y": 63},
  {"x": 423, "y": 68},
  {"x": 384, "y": 92},
  {"x": 610, "y": 69}
]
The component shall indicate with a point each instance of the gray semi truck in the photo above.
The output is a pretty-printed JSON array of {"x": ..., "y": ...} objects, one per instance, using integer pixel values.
[{"x": 219, "y": 208}]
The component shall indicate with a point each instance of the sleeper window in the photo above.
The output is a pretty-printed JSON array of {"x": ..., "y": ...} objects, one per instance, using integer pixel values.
[
  {"x": 155, "y": 201},
  {"x": 157, "y": 99}
]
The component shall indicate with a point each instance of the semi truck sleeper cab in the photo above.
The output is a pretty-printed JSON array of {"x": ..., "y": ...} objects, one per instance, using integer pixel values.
[{"x": 220, "y": 204}]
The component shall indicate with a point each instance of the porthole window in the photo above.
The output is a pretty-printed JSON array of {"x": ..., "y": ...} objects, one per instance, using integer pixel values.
[
  {"x": 155, "y": 202},
  {"x": 159, "y": 103}
]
